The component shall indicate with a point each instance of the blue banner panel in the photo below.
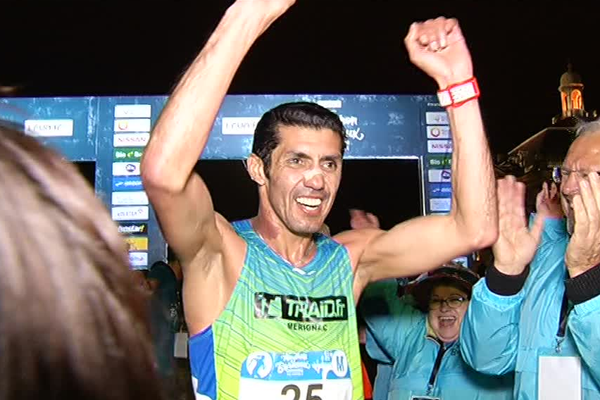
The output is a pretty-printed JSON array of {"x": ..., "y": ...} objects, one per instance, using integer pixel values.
[
  {"x": 113, "y": 132},
  {"x": 377, "y": 126},
  {"x": 67, "y": 124}
]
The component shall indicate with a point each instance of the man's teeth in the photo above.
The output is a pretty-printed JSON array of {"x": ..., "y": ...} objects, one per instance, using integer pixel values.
[
  {"x": 309, "y": 201},
  {"x": 447, "y": 319}
]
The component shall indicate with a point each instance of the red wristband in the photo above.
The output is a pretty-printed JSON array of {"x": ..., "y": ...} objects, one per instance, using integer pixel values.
[{"x": 459, "y": 93}]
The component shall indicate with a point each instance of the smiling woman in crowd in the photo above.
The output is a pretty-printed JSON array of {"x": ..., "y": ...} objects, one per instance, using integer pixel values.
[{"x": 418, "y": 335}]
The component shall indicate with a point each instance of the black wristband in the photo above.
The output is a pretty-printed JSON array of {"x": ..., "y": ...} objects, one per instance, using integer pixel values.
[
  {"x": 585, "y": 286},
  {"x": 505, "y": 285}
]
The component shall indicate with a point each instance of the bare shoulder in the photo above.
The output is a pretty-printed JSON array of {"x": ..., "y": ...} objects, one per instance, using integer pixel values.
[{"x": 356, "y": 241}]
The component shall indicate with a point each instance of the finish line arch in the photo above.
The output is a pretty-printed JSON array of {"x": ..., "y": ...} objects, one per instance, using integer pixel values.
[{"x": 111, "y": 131}]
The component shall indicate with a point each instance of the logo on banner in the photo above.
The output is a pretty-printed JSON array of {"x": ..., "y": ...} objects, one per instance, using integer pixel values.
[
  {"x": 133, "y": 111},
  {"x": 131, "y": 139},
  {"x": 353, "y": 130},
  {"x": 126, "y": 154},
  {"x": 126, "y": 169},
  {"x": 441, "y": 204},
  {"x": 136, "y": 243},
  {"x": 438, "y": 132},
  {"x": 133, "y": 229},
  {"x": 444, "y": 161},
  {"x": 140, "y": 213},
  {"x": 49, "y": 127},
  {"x": 133, "y": 125},
  {"x": 439, "y": 146},
  {"x": 129, "y": 198},
  {"x": 129, "y": 183},
  {"x": 138, "y": 259},
  {"x": 436, "y": 118},
  {"x": 239, "y": 125},
  {"x": 439, "y": 175},
  {"x": 331, "y": 104},
  {"x": 440, "y": 190}
]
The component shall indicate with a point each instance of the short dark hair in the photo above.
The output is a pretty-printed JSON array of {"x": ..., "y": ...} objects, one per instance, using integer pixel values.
[{"x": 300, "y": 114}]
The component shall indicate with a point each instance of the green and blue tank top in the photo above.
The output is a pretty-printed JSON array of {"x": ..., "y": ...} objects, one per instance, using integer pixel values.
[{"x": 286, "y": 333}]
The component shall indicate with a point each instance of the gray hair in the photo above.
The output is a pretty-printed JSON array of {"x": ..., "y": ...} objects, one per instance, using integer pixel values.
[{"x": 587, "y": 127}]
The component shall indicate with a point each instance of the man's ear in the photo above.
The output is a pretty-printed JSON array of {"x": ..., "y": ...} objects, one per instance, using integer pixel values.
[{"x": 256, "y": 169}]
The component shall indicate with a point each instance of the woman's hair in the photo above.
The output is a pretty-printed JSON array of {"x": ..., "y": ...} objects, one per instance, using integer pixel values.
[
  {"x": 450, "y": 274},
  {"x": 71, "y": 322}
]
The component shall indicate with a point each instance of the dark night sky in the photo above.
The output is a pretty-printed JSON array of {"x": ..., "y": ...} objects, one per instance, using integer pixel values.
[{"x": 320, "y": 46}]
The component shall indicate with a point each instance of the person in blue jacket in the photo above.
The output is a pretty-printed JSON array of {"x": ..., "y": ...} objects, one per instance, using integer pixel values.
[
  {"x": 419, "y": 335},
  {"x": 540, "y": 317},
  {"x": 374, "y": 300}
]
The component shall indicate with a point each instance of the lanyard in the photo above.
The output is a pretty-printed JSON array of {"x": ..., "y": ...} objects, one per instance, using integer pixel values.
[
  {"x": 562, "y": 322},
  {"x": 436, "y": 366}
]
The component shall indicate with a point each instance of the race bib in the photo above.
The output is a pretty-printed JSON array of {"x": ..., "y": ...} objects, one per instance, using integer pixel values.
[{"x": 314, "y": 375}]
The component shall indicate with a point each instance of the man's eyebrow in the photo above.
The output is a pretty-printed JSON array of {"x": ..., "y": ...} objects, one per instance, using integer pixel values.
[
  {"x": 298, "y": 154},
  {"x": 332, "y": 158}
]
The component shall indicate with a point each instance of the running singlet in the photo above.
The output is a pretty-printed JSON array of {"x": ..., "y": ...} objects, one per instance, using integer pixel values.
[{"x": 286, "y": 334}]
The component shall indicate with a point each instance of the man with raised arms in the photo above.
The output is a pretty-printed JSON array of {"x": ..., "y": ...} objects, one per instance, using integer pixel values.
[{"x": 269, "y": 301}]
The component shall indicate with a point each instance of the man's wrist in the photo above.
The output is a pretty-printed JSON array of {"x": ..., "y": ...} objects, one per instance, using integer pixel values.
[
  {"x": 583, "y": 286},
  {"x": 459, "y": 93},
  {"x": 576, "y": 269},
  {"x": 504, "y": 284},
  {"x": 445, "y": 81}
]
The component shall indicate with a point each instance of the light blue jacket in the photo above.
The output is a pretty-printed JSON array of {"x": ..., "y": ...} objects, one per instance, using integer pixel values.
[
  {"x": 375, "y": 300},
  {"x": 509, "y": 333},
  {"x": 401, "y": 335}
]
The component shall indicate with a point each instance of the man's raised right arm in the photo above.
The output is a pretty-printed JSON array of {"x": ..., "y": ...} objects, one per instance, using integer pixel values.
[{"x": 179, "y": 196}]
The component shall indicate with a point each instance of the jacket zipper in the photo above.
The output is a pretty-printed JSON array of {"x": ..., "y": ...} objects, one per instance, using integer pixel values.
[{"x": 436, "y": 366}]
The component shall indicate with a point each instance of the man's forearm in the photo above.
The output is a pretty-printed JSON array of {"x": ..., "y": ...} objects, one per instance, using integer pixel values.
[
  {"x": 183, "y": 128},
  {"x": 473, "y": 181}
]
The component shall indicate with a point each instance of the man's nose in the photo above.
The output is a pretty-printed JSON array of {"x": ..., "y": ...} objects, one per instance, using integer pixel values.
[
  {"x": 569, "y": 186},
  {"x": 314, "y": 179}
]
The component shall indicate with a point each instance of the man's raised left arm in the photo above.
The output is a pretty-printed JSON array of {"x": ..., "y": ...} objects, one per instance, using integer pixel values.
[{"x": 439, "y": 49}]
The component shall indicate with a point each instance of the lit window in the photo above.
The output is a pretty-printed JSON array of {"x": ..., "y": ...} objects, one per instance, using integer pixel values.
[{"x": 576, "y": 100}]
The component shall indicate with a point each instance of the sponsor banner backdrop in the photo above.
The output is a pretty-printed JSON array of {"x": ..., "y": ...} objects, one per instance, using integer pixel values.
[
  {"x": 123, "y": 132},
  {"x": 67, "y": 124},
  {"x": 113, "y": 131}
]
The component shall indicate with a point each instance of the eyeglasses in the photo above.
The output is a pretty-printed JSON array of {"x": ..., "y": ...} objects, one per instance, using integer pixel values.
[
  {"x": 557, "y": 175},
  {"x": 452, "y": 302},
  {"x": 560, "y": 174}
]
